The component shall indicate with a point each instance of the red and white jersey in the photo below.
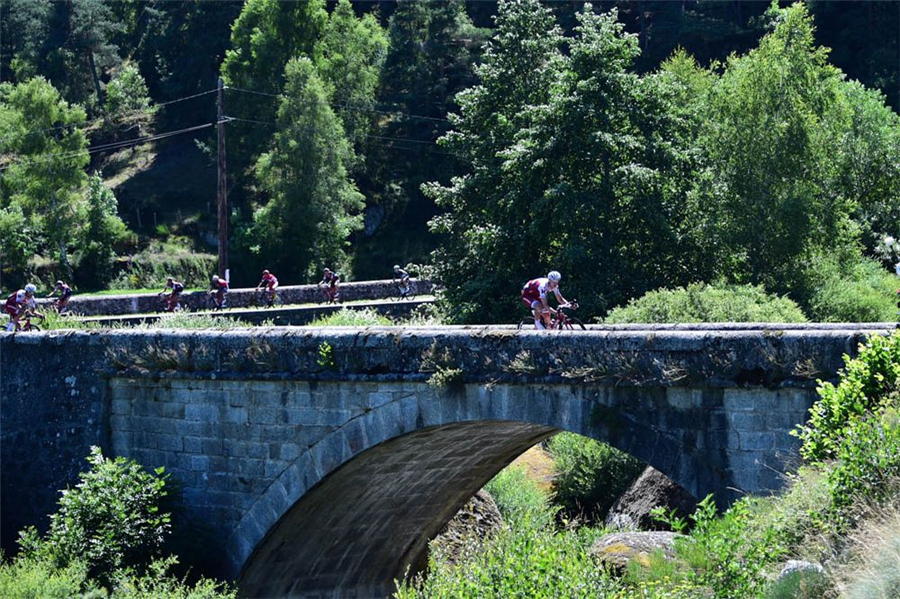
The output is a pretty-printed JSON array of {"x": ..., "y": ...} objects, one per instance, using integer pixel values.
[
  {"x": 269, "y": 280},
  {"x": 536, "y": 289}
]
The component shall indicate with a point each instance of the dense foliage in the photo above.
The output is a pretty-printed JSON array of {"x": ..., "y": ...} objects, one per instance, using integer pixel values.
[
  {"x": 632, "y": 144},
  {"x": 107, "y": 534},
  {"x": 699, "y": 302}
]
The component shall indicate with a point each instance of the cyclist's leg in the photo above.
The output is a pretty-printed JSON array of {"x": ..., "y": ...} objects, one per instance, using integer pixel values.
[{"x": 537, "y": 311}]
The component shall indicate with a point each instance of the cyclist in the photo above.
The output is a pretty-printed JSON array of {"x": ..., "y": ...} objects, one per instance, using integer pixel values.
[
  {"x": 403, "y": 276},
  {"x": 65, "y": 292},
  {"x": 270, "y": 282},
  {"x": 534, "y": 295},
  {"x": 19, "y": 304},
  {"x": 219, "y": 287},
  {"x": 331, "y": 280},
  {"x": 172, "y": 298}
]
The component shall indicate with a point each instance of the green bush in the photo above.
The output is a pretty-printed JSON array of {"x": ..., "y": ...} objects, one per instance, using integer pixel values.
[
  {"x": 112, "y": 519},
  {"x": 591, "y": 475},
  {"x": 352, "y": 318},
  {"x": 159, "y": 583},
  {"x": 32, "y": 578},
  {"x": 861, "y": 292},
  {"x": 150, "y": 267},
  {"x": 532, "y": 563},
  {"x": 867, "y": 383},
  {"x": 701, "y": 302},
  {"x": 520, "y": 501}
]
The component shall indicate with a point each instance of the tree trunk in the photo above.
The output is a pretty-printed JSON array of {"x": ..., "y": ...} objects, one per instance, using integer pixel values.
[{"x": 101, "y": 100}]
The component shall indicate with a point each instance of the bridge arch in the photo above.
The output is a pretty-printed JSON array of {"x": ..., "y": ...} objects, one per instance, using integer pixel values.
[{"x": 357, "y": 509}]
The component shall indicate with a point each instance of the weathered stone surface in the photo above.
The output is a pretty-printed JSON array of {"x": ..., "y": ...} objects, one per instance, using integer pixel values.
[
  {"x": 476, "y": 520},
  {"x": 650, "y": 490},
  {"x": 617, "y": 549}
]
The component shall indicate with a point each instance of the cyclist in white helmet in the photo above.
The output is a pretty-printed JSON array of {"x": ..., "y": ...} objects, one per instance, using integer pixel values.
[
  {"x": 20, "y": 303},
  {"x": 534, "y": 295}
]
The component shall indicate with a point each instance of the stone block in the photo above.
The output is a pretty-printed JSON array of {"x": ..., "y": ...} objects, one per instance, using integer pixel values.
[
  {"x": 194, "y": 428},
  {"x": 212, "y": 447},
  {"x": 684, "y": 398},
  {"x": 265, "y": 415},
  {"x": 235, "y": 415},
  {"x": 757, "y": 441},
  {"x": 378, "y": 398},
  {"x": 200, "y": 463},
  {"x": 201, "y": 412},
  {"x": 748, "y": 422},
  {"x": 192, "y": 445},
  {"x": 169, "y": 443},
  {"x": 121, "y": 406},
  {"x": 751, "y": 400}
]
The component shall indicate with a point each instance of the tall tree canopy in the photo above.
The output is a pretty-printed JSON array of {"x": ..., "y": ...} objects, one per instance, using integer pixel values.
[{"x": 313, "y": 206}]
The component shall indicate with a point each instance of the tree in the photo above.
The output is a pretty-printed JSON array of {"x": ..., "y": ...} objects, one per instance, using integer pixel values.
[
  {"x": 266, "y": 35},
  {"x": 44, "y": 147},
  {"x": 774, "y": 126},
  {"x": 24, "y": 26},
  {"x": 313, "y": 204},
  {"x": 349, "y": 57},
  {"x": 104, "y": 228}
]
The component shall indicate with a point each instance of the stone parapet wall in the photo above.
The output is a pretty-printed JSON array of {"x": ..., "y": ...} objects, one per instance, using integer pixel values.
[{"x": 238, "y": 298}]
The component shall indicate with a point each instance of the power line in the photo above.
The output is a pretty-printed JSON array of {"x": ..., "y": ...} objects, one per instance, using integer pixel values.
[
  {"x": 105, "y": 147},
  {"x": 100, "y": 118},
  {"x": 344, "y": 106}
]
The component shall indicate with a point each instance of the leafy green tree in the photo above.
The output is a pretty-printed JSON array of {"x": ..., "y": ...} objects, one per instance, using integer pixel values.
[
  {"x": 349, "y": 57},
  {"x": 127, "y": 92},
  {"x": 774, "y": 125},
  {"x": 266, "y": 35},
  {"x": 312, "y": 203},
  {"x": 112, "y": 519},
  {"x": 104, "y": 228},
  {"x": 44, "y": 148},
  {"x": 16, "y": 244},
  {"x": 521, "y": 65},
  {"x": 24, "y": 27}
]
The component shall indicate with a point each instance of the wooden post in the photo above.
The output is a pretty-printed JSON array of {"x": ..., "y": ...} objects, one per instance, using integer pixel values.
[{"x": 222, "y": 200}]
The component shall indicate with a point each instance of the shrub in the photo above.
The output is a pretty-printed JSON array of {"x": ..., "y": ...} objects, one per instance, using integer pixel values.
[
  {"x": 701, "y": 302},
  {"x": 860, "y": 292},
  {"x": 150, "y": 267},
  {"x": 866, "y": 383},
  {"x": 159, "y": 583},
  {"x": 520, "y": 500},
  {"x": 352, "y": 318},
  {"x": 32, "y": 578},
  {"x": 591, "y": 475},
  {"x": 532, "y": 563},
  {"x": 112, "y": 519},
  {"x": 127, "y": 92}
]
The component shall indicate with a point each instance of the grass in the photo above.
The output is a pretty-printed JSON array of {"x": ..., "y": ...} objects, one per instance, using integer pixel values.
[{"x": 366, "y": 317}]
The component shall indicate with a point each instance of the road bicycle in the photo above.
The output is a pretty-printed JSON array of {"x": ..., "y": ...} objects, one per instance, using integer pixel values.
[
  {"x": 212, "y": 301},
  {"x": 330, "y": 294},
  {"x": 163, "y": 304},
  {"x": 27, "y": 325},
  {"x": 560, "y": 319},
  {"x": 263, "y": 298},
  {"x": 402, "y": 292}
]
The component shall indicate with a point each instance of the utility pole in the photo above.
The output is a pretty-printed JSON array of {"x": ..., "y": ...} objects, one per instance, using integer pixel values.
[{"x": 222, "y": 199}]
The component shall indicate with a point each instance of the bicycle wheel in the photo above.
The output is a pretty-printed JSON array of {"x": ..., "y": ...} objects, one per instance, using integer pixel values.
[
  {"x": 526, "y": 324},
  {"x": 573, "y": 323}
]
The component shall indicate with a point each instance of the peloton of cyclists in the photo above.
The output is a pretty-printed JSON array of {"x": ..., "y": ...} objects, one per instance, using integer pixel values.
[
  {"x": 19, "y": 304},
  {"x": 330, "y": 281},
  {"x": 65, "y": 293},
  {"x": 534, "y": 295},
  {"x": 218, "y": 288},
  {"x": 270, "y": 283},
  {"x": 172, "y": 298}
]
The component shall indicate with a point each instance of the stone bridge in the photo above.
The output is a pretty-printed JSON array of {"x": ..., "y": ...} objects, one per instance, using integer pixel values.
[{"x": 319, "y": 462}]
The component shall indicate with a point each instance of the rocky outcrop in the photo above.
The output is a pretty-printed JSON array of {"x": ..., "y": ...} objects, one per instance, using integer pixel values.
[
  {"x": 478, "y": 519},
  {"x": 617, "y": 549},
  {"x": 650, "y": 490}
]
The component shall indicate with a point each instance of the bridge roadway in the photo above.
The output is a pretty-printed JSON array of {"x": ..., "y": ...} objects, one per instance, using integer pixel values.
[{"x": 319, "y": 462}]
